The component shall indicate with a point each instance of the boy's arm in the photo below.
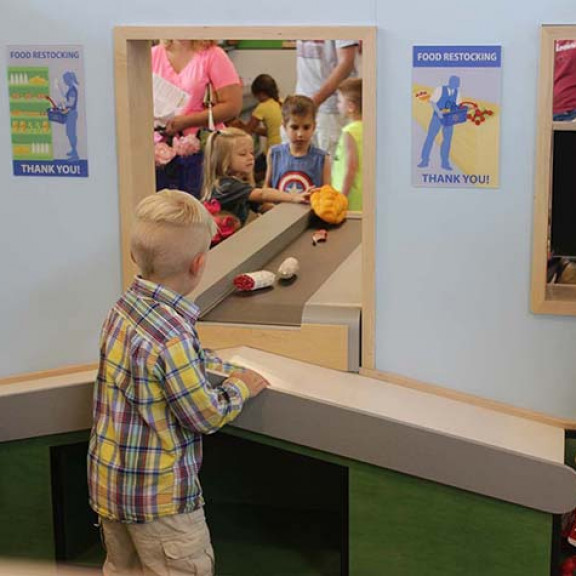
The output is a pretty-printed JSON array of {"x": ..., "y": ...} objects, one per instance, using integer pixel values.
[
  {"x": 351, "y": 160},
  {"x": 268, "y": 177},
  {"x": 216, "y": 364},
  {"x": 327, "y": 172},
  {"x": 191, "y": 398}
]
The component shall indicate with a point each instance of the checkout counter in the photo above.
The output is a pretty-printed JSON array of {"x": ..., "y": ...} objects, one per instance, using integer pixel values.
[
  {"x": 315, "y": 318},
  {"x": 325, "y": 473}
]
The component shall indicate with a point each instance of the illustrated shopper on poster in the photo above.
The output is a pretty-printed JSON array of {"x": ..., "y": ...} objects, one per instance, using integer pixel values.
[
  {"x": 72, "y": 118},
  {"x": 443, "y": 97}
]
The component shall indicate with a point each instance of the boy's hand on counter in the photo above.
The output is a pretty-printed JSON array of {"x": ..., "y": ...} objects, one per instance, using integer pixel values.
[{"x": 253, "y": 381}]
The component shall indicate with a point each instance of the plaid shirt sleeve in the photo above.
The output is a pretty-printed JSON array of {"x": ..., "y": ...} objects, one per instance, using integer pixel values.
[
  {"x": 215, "y": 363},
  {"x": 195, "y": 403}
]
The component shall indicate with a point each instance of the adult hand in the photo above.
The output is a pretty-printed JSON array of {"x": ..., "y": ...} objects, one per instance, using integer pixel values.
[
  {"x": 176, "y": 124},
  {"x": 254, "y": 382}
]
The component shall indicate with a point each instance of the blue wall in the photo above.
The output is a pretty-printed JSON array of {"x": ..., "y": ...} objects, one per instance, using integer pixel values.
[{"x": 453, "y": 266}]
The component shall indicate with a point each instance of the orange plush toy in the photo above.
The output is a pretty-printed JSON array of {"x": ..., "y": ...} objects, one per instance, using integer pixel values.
[{"x": 329, "y": 204}]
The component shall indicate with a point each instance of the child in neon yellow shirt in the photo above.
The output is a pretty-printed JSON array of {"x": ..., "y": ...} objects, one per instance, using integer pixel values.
[{"x": 347, "y": 165}]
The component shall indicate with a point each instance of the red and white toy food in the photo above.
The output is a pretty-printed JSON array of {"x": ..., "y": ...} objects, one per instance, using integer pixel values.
[
  {"x": 254, "y": 280},
  {"x": 319, "y": 236}
]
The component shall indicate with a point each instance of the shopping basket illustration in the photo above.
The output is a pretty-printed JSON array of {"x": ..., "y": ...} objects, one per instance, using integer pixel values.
[
  {"x": 454, "y": 115},
  {"x": 55, "y": 113}
]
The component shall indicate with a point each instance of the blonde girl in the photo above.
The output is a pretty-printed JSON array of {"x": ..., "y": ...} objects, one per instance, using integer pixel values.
[{"x": 229, "y": 176}]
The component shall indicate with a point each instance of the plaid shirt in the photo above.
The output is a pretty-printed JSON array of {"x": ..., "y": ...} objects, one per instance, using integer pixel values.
[{"x": 152, "y": 403}]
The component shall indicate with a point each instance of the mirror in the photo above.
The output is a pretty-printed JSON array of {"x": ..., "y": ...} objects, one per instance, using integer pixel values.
[
  {"x": 329, "y": 270},
  {"x": 562, "y": 233},
  {"x": 564, "y": 93},
  {"x": 200, "y": 87}
]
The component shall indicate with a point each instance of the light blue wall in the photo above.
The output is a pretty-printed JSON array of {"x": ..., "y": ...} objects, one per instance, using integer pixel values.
[
  {"x": 453, "y": 265},
  {"x": 60, "y": 237}
]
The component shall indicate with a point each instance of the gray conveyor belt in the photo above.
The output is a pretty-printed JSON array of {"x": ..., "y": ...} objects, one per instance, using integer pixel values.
[{"x": 284, "y": 303}]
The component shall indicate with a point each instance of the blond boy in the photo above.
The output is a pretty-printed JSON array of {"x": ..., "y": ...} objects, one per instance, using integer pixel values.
[
  {"x": 153, "y": 402},
  {"x": 347, "y": 166}
]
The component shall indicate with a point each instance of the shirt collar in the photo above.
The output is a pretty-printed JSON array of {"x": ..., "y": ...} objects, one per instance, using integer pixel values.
[{"x": 147, "y": 289}]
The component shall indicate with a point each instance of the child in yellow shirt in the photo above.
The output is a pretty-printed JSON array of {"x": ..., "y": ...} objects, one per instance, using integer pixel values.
[
  {"x": 347, "y": 165},
  {"x": 266, "y": 119}
]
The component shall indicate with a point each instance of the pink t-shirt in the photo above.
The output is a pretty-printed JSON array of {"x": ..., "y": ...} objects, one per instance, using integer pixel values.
[
  {"x": 211, "y": 65},
  {"x": 564, "y": 76}
]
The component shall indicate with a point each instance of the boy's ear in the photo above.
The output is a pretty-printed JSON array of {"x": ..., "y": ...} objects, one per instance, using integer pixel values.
[
  {"x": 132, "y": 257},
  {"x": 197, "y": 264}
]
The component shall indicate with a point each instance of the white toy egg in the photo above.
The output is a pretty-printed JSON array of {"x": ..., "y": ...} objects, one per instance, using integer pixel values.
[{"x": 289, "y": 268}]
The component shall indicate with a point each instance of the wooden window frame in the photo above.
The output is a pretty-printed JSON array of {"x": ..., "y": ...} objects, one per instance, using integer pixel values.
[
  {"x": 558, "y": 299},
  {"x": 134, "y": 125}
]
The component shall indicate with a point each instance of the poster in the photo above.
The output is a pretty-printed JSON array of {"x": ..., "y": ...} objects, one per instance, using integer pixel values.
[
  {"x": 47, "y": 111},
  {"x": 456, "y": 116}
]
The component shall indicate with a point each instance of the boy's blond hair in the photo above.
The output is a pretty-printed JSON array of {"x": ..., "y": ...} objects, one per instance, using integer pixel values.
[
  {"x": 170, "y": 228},
  {"x": 217, "y": 158},
  {"x": 298, "y": 105},
  {"x": 351, "y": 90}
]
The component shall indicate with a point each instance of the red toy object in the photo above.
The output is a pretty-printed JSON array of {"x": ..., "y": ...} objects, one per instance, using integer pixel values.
[
  {"x": 568, "y": 566},
  {"x": 477, "y": 116},
  {"x": 319, "y": 236},
  {"x": 226, "y": 223},
  {"x": 254, "y": 280}
]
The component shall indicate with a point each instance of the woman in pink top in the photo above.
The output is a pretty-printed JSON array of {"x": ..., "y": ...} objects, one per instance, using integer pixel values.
[{"x": 192, "y": 65}]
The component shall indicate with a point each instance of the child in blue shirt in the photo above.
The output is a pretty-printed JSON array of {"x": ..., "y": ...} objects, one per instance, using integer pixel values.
[{"x": 298, "y": 166}]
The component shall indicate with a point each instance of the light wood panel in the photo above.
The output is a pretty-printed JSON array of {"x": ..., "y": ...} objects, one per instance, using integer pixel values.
[
  {"x": 134, "y": 127},
  {"x": 323, "y": 345},
  {"x": 59, "y": 373},
  {"x": 129, "y": 33},
  {"x": 469, "y": 399},
  {"x": 369, "y": 91}
]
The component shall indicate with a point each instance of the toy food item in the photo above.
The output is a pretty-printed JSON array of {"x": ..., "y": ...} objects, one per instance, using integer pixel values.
[
  {"x": 254, "y": 280},
  {"x": 289, "y": 268},
  {"x": 319, "y": 236},
  {"x": 226, "y": 222},
  {"x": 329, "y": 204}
]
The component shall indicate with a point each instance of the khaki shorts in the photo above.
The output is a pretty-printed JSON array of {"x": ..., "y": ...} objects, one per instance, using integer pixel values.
[{"x": 172, "y": 546}]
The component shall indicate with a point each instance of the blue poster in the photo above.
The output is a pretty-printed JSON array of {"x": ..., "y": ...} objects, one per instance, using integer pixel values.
[
  {"x": 47, "y": 111},
  {"x": 456, "y": 116}
]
